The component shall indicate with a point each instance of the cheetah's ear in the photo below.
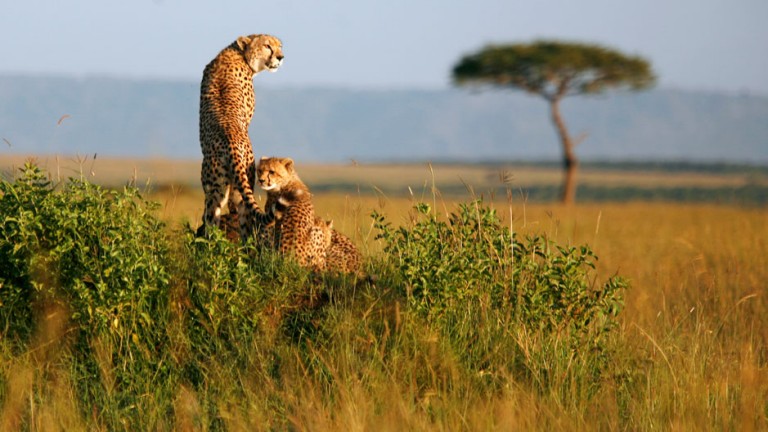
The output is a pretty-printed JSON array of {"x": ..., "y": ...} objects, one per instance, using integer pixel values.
[
  {"x": 288, "y": 162},
  {"x": 243, "y": 41},
  {"x": 264, "y": 157},
  {"x": 329, "y": 222}
]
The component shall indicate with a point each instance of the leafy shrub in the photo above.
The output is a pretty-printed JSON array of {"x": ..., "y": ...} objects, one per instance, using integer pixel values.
[
  {"x": 473, "y": 258},
  {"x": 154, "y": 314},
  {"x": 101, "y": 253},
  {"x": 229, "y": 287},
  {"x": 473, "y": 279},
  {"x": 20, "y": 203},
  {"x": 103, "y": 257}
]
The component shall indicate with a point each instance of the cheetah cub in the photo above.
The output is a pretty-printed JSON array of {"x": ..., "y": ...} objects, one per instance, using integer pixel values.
[
  {"x": 296, "y": 230},
  {"x": 341, "y": 255}
]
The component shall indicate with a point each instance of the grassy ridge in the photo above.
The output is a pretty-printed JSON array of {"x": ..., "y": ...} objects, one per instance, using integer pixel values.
[{"x": 690, "y": 350}]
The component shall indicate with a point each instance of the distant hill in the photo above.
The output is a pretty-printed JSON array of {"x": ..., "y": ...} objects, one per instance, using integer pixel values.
[{"x": 153, "y": 118}]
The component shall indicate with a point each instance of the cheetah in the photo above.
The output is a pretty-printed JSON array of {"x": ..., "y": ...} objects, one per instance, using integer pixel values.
[
  {"x": 227, "y": 102},
  {"x": 320, "y": 234},
  {"x": 229, "y": 224},
  {"x": 290, "y": 203},
  {"x": 341, "y": 255},
  {"x": 337, "y": 253}
]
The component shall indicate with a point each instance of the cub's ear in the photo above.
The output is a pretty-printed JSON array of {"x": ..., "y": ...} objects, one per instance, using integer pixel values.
[
  {"x": 264, "y": 157},
  {"x": 243, "y": 41},
  {"x": 288, "y": 162}
]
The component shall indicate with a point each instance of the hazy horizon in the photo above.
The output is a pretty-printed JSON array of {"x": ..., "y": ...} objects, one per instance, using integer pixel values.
[
  {"x": 160, "y": 118},
  {"x": 364, "y": 88}
]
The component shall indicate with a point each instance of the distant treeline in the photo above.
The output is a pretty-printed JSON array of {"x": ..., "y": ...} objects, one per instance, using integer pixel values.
[
  {"x": 744, "y": 195},
  {"x": 650, "y": 166},
  {"x": 750, "y": 195}
]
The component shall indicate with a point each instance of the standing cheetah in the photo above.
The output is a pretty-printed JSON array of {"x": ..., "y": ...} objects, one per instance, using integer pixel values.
[{"x": 226, "y": 107}]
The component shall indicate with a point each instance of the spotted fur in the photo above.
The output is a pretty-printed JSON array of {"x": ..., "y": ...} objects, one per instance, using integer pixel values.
[
  {"x": 341, "y": 255},
  {"x": 297, "y": 231},
  {"x": 227, "y": 102}
]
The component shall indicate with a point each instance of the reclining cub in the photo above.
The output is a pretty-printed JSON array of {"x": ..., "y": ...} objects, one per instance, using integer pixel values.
[
  {"x": 341, "y": 255},
  {"x": 312, "y": 241}
]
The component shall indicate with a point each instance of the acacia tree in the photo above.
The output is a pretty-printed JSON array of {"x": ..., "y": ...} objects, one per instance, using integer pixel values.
[{"x": 554, "y": 70}]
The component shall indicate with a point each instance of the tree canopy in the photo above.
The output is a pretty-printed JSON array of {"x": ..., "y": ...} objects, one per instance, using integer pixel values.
[{"x": 554, "y": 69}]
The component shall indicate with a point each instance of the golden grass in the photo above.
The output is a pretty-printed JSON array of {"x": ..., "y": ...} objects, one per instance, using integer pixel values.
[
  {"x": 695, "y": 327},
  {"x": 677, "y": 255},
  {"x": 112, "y": 171},
  {"x": 694, "y": 334}
]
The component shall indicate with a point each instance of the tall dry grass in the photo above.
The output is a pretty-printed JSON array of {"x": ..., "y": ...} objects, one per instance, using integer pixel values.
[
  {"x": 691, "y": 352},
  {"x": 695, "y": 328},
  {"x": 694, "y": 334}
]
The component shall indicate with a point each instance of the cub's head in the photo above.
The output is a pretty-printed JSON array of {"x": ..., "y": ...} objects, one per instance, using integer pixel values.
[
  {"x": 273, "y": 173},
  {"x": 323, "y": 232},
  {"x": 261, "y": 52}
]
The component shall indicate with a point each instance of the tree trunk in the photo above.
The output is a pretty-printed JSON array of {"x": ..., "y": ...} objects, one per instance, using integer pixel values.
[{"x": 570, "y": 162}]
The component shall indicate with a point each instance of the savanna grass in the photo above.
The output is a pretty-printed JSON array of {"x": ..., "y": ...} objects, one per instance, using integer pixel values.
[{"x": 114, "y": 321}]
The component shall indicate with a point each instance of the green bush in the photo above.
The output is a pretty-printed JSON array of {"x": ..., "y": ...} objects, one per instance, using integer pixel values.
[
  {"x": 155, "y": 313},
  {"x": 100, "y": 253},
  {"x": 101, "y": 256},
  {"x": 20, "y": 203},
  {"x": 229, "y": 287},
  {"x": 486, "y": 291},
  {"x": 473, "y": 258}
]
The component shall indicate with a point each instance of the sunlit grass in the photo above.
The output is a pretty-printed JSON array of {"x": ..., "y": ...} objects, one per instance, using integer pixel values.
[
  {"x": 691, "y": 351},
  {"x": 390, "y": 177},
  {"x": 694, "y": 338}
]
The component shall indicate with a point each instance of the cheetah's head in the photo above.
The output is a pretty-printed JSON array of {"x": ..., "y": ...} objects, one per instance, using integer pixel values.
[
  {"x": 273, "y": 173},
  {"x": 323, "y": 230},
  {"x": 261, "y": 52}
]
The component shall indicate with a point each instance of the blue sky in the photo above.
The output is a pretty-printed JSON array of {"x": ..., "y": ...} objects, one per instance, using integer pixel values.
[{"x": 710, "y": 45}]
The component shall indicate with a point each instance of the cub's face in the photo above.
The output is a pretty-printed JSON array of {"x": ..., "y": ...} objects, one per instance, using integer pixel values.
[
  {"x": 323, "y": 232},
  {"x": 261, "y": 52},
  {"x": 273, "y": 173}
]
